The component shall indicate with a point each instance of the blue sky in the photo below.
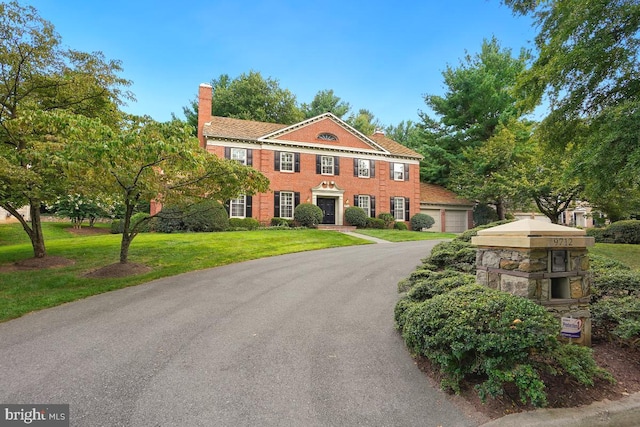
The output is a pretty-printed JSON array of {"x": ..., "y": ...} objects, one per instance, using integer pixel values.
[{"x": 379, "y": 55}]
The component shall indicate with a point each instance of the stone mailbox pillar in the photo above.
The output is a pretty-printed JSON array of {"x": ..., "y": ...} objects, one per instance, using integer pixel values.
[{"x": 544, "y": 262}]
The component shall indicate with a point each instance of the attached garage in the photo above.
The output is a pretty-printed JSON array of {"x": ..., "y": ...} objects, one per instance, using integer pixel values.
[{"x": 451, "y": 213}]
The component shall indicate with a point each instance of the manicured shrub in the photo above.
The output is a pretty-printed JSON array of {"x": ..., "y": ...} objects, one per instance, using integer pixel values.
[
  {"x": 475, "y": 331},
  {"x": 438, "y": 283},
  {"x": 246, "y": 223},
  {"x": 615, "y": 283},
  {"x": 421, "y": 221},
  {"x": 117, "y": 226},
  {"x": 625, "y": 231},
  {"x": 600, "y": 235},
  {"x": 388, "y": 219},
  {"x": 618, "y": 318},
  {"x": 206, "y": 216},
  {"x": 399, "y": 225},
  {"x": 170, "y": 220},
  {"x": 307, "y": 215},
  {"x": 137, "y": 217},
  {"x": 456, "y": 254},
  {"x": 280, "y": 222},
  {"x": 355, "y": 215},
  {"x": 375, "y": 223}
]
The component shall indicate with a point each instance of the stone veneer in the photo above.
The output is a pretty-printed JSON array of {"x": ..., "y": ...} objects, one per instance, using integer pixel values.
[{"x": 517, "y": 258}]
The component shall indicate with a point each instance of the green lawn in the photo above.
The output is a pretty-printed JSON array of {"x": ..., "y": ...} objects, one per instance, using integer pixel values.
[
  {"x": 23, "y": 291},
  {"x": 404, "y": 236},
  {"x": 627, "y": 254}
]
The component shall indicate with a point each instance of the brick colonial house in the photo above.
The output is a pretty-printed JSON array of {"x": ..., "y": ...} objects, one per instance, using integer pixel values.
[{"x": 321, "y": 160}]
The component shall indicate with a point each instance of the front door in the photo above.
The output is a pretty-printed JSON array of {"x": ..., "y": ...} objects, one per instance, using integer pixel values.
[{"x": 328, "y": 207}]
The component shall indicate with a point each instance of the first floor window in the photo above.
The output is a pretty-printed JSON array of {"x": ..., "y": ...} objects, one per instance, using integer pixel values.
[
  {"x": 237, "y": 207},
  {"x": 286, "y": 204},
  {"x": 400, "y": 208},
  {"x": 364, "y": 202}
]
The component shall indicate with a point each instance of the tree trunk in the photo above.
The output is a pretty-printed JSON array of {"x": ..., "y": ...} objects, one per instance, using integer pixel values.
[
  {"x": 500, "y": 210},
  {"x": 124, "y": 247},
  {"x": 36, "y": 236}
]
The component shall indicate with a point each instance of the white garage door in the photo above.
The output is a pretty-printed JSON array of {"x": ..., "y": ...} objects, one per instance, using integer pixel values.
[
  {"x": 435, "y": 214},
  {"x": 456, "y": 221}
]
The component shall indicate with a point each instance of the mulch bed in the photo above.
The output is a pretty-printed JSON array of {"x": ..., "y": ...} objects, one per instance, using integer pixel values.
[{"x": 562, "y": 392}]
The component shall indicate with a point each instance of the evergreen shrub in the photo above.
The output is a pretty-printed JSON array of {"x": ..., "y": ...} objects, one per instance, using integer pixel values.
[
  {"x": 388, "y": 219},
  {"x": 307, "y": 215},
  {"x": 356, "y": 216},
  {"x": 421, "y": 221}
]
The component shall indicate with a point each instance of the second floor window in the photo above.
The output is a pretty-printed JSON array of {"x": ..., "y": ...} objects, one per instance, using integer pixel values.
[
  {"x": 286, "y": 162},
  {"x": 398, "y": 172},
  {"x": 242, "y": 155},
  {"x": 327, "y": 165}
]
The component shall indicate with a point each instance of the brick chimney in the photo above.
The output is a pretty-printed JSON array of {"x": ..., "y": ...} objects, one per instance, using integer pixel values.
[{"x": 205, "y": 93}]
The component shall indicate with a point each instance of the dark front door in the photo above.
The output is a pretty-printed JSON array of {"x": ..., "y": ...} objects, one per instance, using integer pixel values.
[{"x": 328, "y": 207}]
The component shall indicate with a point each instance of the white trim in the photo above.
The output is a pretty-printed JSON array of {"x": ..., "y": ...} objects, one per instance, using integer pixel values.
[{"x": 329, "y": 189}]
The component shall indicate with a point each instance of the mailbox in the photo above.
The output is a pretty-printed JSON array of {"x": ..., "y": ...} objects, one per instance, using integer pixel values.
[
  {"x": 558, "y": 261},
  {"x": 544, "y": 262}
]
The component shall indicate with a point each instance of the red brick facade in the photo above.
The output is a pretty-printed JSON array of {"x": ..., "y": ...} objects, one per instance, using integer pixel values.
[{"x": 315, "y": 161}]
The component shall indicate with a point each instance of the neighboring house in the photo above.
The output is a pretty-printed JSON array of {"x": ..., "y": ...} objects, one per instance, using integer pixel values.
[
  {"x": 6, "y": 217},
  {"x": 321, "y": 160},
  {"x": 451, "y": 213},
  {"x": 580, "y": 215}
]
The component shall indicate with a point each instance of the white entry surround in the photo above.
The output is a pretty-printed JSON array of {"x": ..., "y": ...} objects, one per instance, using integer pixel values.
[{"x": 330, "y": 189}]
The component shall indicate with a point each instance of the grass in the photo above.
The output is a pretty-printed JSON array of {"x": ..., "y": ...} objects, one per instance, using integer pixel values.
[
  {"x": 24, "y": 291},
  {"x": 404, "y": 236},
  {"x": 627, "y": 254}
]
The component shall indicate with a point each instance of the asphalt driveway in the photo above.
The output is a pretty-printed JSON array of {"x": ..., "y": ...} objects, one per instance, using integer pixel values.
[{"x": 304, "y": 339}]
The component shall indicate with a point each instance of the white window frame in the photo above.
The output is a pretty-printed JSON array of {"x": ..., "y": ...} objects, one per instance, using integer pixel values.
[
  {"x": 327, "y": 165},
  {"x": 238, "y": 207},
  {"x": 398, "y": 171},
  {"x": 239, "y": 154},
  {"x": 286, "y": 204},
  {"x": 364, "y": 202},
  {"x": 364, "y": 168},
  {"x": 287, "y": 162},
  {"x": 398, "y": 208}
]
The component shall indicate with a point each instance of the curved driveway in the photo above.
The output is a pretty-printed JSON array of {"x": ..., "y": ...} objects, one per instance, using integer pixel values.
[{"x": 304, "y": 339}]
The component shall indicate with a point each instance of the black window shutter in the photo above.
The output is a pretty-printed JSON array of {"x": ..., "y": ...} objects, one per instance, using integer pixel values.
[
  {"x": 373, "y": 206},
  {"x": 276, "y": 160},
  {"x": 372, "y": 172},
  {"x": 406, "y": 172},
  {"x": 248, "y": 211},
  {"x": 393, "y": 206},
  {"x": 355, "y": 200},
  {"x": 318, "y": 164},
  {"x": 296, "y": 199},
  {"x": 407, "y": 212},
  {"x": 276, "y": 204},
  {"x": 297, "y": 162},
  {"x": 355, "y": 167},
  {"x": 336, "y": 165},
  {"x": 227, "y": 152},
  {"x": 391, "y": 167},
  {"x": 249, "y": 157},
  {"x": 227, "y": 208}
]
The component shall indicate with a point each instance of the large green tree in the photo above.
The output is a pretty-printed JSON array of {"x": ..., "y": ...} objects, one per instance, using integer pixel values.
[
  {"x": 588, "y": 70},
  {"x": 325, "y": 101},
  {"x": 45, "y": 91},
  {"x": 249, "y": 97},
  {"x": 479, "y": 97},
  {"x": 364, "y": 121},
  {"x": 144, "y": 160},
  {"x": 488, "y": 173}
]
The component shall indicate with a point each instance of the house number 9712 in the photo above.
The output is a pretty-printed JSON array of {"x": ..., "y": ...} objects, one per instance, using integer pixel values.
[{"x": 563, "y": 241}]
